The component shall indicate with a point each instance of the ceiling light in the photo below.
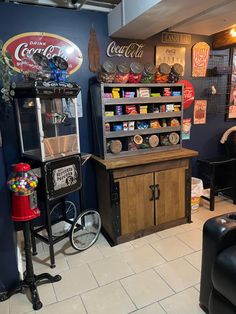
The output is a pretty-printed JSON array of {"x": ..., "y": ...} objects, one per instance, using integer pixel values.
[{"x": 233, "y": 32}]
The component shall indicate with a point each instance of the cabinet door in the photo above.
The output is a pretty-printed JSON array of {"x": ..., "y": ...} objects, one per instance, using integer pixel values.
[
  {"x": 136, "y": 206},
  {"x": 171, "y": 203}
]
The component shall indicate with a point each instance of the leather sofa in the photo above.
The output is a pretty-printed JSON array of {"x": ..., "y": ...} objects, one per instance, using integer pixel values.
[{"x": 218, "y": 275}]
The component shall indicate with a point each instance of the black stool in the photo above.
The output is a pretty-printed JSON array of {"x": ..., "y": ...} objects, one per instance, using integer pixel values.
[
  {"x": 218, "y": 175},
  {"x": 30, "y": 279}
]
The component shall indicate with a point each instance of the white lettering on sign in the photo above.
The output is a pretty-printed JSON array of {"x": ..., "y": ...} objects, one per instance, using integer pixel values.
[
  {"x": 50, "y": 51},
  {"x": 64, "y": 177},
  {"x": 133, "y": 50}
]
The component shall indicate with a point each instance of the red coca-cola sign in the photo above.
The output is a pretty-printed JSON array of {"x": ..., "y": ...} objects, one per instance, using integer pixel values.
[
  {"x": 188, "y": 93},
  {"x": 22, "y": 47}
]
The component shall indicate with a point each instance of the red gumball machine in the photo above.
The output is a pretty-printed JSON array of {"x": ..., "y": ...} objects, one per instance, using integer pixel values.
[{"x": 23, "y": 182}]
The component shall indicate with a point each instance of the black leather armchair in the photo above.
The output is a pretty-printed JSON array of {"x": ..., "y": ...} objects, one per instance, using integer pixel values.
[{"x": 218, "y": 275}]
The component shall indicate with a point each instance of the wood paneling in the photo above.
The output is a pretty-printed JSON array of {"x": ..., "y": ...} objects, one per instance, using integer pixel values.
[
  {"x": 136, "y": 209},
  {"x": 131, "y": 171},
  {"x": 171, "y": 204},
  {"x": 223, "y": 40}
]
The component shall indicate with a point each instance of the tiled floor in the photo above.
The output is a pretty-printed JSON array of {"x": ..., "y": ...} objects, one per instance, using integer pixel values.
[{"x": 156, "y": 274}]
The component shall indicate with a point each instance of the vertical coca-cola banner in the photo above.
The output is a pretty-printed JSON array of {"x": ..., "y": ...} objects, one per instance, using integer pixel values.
[{"x": 22, "y": 47}]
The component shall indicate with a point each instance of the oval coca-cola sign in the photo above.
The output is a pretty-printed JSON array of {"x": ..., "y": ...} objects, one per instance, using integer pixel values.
[{"x": 22, "y": 47}]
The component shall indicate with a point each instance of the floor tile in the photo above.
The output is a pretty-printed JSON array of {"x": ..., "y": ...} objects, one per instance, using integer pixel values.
[
  {"x": 109, "y": 251},
  {"x": 143, "y": 258},
  {"x": 78, "y": 258},
  {"x": 151, "y": 309},
  {"x": 179, "y": 274},
  {"x": 185, "y": 302},
  {"x": 192, "y": 238},
  {"x": 5, "y": 307},
  {"x": 19, "y": 303},
  {"x": 170, "y": 232},
  {"x": 41, "y": 263},
  {"x": 195, "y": 259},
  {"x": 195, "y": 224},
  {"x": 171, "y": 248},
  {"x": 197, "y": 287},
  {"x": 71, "y": 306},
  {"x": 110, "y": 269},
  {"x": 111, "y": 298},
  {"x": 145, "y": 240},
  {"x": 146, "y": 288},
  {"x": 74, "y": 282}
]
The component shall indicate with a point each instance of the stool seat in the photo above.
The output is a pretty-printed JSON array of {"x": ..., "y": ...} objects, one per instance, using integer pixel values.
[{"x": 217, "y": 173}]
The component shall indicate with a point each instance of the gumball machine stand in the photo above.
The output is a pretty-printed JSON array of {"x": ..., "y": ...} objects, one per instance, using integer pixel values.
[{"x": 22, "y": 182}]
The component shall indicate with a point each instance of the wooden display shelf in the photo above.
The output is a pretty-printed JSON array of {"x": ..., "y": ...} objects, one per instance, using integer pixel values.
[
  {"x": 117, "y": 134},
  {"x": 144, "y": 151},
  {"x": 100, "y": 105},
  {"x": 142, "y": 100},
  {"x": 147, "y": 116}
]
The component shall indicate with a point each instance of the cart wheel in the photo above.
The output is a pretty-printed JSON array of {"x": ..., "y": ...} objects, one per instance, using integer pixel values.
[
  {"x": 61, "y": 227},
  {"x": 85, "y": 230}
]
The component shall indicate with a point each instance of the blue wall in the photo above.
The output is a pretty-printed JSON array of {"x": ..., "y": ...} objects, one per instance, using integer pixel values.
[{"x": 74, "y": 25}]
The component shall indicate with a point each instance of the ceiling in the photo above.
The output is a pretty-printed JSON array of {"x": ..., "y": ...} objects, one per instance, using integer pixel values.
[
  {"x": 141, "y": 19},
  {"x": 203, "y": 17},
  {"x": 96, "y": 5}
]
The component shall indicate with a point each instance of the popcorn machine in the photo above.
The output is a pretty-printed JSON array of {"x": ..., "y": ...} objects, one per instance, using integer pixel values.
[{"x": 48, "y": 119}]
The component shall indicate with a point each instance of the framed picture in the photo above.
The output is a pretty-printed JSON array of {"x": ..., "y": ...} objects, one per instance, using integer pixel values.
[
  {"x": 231, "y": 107},
  {"x": 170, "y": 55}
]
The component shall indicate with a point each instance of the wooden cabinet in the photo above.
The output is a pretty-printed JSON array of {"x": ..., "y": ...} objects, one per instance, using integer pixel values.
[
  {"x": 143, "y": 194},
  {"x": 156, "y": 117}
]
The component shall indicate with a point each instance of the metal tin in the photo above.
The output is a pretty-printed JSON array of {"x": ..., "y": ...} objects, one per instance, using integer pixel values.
[
  {"x": 109, "y": 67},
  {"x": 136, "y": 68}
]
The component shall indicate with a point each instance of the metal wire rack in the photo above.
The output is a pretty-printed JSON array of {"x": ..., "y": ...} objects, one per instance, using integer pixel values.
[{"x": 217, "y": 83}]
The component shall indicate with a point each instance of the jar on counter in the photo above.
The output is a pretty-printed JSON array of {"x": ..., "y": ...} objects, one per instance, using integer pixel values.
[
  {"x": 122, "y": 73},
  {"x": 162, "y": 73},
  {"x": 107, "y": 73},
  {"x": 148, "y": 73},
  {"x": 136, "y": 70}
]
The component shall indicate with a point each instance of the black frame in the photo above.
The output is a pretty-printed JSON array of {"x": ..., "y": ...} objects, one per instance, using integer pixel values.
[{"x": 231, "y": 84}]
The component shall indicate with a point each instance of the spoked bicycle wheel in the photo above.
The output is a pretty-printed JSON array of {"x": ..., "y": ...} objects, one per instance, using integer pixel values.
[
  {"x": 85, "y": 230},
  {"x": 62, "y": 210}
]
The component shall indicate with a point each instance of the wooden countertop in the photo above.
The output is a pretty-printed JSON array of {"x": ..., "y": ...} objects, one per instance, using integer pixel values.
[{"x": 145, "y": 159}]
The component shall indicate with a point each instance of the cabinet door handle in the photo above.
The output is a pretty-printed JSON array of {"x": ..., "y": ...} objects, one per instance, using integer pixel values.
[
  {"x": 157, "y": 192},
  {"x": 152, "y": 187}
]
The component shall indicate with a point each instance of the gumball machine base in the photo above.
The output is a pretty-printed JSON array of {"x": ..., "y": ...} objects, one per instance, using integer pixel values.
[{"x": 30, "y": 280}]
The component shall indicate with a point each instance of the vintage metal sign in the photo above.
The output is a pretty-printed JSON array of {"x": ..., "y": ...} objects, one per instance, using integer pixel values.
[
  {"x": 64, "y": 177},
  {"x": 200, "y": 56},
  {"x": 175, "y": 38},
  {"x": 23, "y": 46},
  {"x": 132, "y": 50},
  {"x": 189, "y": 93}
]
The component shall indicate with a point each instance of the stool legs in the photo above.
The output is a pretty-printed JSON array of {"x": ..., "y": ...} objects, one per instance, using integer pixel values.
[{"x": 30, "y": 279}]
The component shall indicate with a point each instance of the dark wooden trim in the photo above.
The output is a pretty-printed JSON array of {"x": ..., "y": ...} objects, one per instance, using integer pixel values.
[{"x": 141, "y": 233}]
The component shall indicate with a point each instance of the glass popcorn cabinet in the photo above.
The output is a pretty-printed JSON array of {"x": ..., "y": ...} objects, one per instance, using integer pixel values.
[{"x": 48, "y": 119}]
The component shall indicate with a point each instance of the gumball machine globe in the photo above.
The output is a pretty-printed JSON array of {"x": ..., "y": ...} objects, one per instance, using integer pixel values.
[{"x": 22, "y": 181}]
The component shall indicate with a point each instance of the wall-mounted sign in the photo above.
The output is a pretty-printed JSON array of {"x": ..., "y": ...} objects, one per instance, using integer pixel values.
[
  {"x": 170, "y": 55},
  {"x": 200, "y": 55},
  {"x": 200, "y": 107},
  {"x": 188, "y": 93},
  {"x": 23, "y": 46},
  {"x": 132, "y": 50},
  {"x": 175, "y": 38},
  {"x": 187, "y": 123}
]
